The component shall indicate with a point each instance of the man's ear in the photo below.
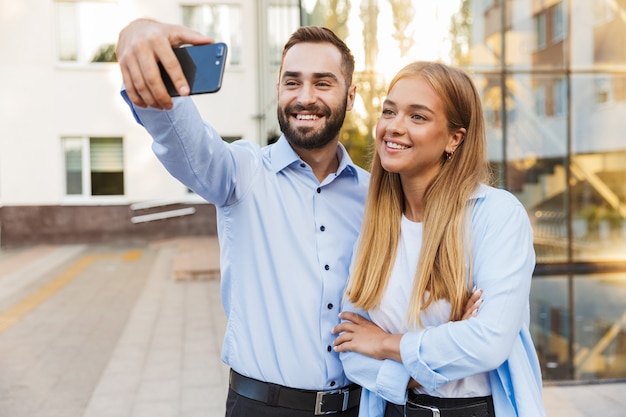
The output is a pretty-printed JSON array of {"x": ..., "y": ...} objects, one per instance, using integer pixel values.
[{"x": 351, "y": 97}]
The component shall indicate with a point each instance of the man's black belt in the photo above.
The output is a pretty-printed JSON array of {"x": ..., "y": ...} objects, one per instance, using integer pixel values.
[
  {"x": 422, "y": 405},
  {"x": 317, "y": 402}
]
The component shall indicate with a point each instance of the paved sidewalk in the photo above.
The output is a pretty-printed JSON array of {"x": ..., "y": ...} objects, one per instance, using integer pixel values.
[
  {"x": 167, "y": 361},
  {"x": 114, "y": 331}
]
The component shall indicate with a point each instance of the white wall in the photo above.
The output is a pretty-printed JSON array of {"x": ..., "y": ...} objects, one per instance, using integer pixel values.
[{"x": 42, "y": 100}]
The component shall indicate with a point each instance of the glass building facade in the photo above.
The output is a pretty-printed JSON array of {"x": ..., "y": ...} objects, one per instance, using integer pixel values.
[{"x": 552, "y": 75}]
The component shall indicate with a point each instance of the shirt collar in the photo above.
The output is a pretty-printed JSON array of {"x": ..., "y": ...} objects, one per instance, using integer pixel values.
[
  {"x": 480, "y": 192},
  {"x": 282, "y": 155}
]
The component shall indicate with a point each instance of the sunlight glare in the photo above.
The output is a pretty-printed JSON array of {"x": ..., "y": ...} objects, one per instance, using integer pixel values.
[{"x": 431, "y": 28}]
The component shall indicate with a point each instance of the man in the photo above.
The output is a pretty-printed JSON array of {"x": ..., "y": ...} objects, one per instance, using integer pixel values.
[{"x": 288, "y": 214}]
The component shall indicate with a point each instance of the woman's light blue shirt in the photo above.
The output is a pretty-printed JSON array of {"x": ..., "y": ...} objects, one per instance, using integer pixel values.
[
  {"x": 286, "y": 241},
  {"x": 497, "y": 341}
]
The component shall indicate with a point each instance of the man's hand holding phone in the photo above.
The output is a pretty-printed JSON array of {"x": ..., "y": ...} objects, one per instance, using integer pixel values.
[
  {"x": 142, "y": 45},
  {"x": 203, "y": 67}
]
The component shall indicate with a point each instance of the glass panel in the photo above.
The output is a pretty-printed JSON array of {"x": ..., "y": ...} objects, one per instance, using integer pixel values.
[
  {"x": 549, "y": 326},
  {"x": 87, "y": 31},
  {"x": 536, "y": 149},
  {"x": 598, "y": 167},
  {"x": 476, "y": 33},
  {"x": 107, "y": 183},
  {"x": 600, "y": 36},
  {"x": 106, "y": 154},
  {"x": 490, "y": 89},
  {"x": 558, "y": 22},
  {"x": 73, "y": 151},
  {"x": 536, "y": 34},
  {"x": 595, "y": 332},
  {"x": 107, "y": 166},
  {"x": 540, "y": 30},
  {"x": 221, "y": 22},
  {"x": 600, "y": 326}
]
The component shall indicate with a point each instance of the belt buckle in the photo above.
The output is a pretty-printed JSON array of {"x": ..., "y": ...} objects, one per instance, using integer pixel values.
[
  {"x": 319, "y": 401},
  {"x": 432, "y": 409}
]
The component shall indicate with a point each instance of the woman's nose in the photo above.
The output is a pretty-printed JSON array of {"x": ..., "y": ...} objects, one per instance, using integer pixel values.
[{"x": 395, "y": 125}]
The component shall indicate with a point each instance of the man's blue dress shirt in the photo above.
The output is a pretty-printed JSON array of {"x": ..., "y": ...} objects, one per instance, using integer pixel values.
[{"x": 286, "y": 242}]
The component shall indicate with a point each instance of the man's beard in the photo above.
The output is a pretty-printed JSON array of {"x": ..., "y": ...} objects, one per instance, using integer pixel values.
[{"x": 306, "y": 137}]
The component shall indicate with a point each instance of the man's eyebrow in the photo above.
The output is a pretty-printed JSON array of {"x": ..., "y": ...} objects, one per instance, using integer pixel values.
[
  {"x": 412, "y": 106},
  {"x": 316, "y": 75}
]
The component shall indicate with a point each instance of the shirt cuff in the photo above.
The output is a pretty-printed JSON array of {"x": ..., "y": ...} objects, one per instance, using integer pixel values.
[
  {"x": 419, "y": 370},
  {"x": 392, "y": 381},
  {"x": 130, "y": 104}
]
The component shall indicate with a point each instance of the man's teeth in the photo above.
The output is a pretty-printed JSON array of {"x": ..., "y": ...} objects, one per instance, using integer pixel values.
[
  {"x": 396, "y": 145},
  {"x": 306, "y": 117}
]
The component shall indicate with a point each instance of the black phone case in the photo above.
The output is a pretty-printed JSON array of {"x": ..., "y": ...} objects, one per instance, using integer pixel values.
[{"x": 203, "y": 66}]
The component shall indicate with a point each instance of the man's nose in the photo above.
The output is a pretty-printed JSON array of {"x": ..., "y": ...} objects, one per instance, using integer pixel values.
[{"x": 306, "y": 95}]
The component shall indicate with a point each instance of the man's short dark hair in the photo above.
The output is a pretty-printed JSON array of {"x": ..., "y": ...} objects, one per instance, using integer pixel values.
[{"x": 320, "y": 34}]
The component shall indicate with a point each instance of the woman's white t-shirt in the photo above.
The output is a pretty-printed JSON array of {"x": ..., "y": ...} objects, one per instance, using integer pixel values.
[{"x": 391, "y": 315}]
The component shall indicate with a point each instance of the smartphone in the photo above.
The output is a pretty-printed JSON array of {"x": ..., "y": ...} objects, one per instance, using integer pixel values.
[{"x": 203, "y": 66}]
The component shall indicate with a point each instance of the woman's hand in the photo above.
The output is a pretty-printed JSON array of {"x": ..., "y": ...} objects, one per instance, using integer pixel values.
[
  {"x": 473, "y": 304},
  {"x": 358, "y": 334}
]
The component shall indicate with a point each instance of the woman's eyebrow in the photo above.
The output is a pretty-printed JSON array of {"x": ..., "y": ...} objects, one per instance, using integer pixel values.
[{"x": 411, "y": 106}]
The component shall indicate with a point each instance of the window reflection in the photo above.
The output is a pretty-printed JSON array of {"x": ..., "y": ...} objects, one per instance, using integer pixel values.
[
  {"x": 536, "y": 149},
  {"x": 599, "y": 206},
  {"x": 490, "y": 88},
  {"x": 600, "y": 328},
  {"x": 588, "y": 344},
  {"x": 550, "y": 28},
  {"x": 599, "y": 38},
  {"x": 598, "y": 168},
  {"x": 550, "y": 325}
]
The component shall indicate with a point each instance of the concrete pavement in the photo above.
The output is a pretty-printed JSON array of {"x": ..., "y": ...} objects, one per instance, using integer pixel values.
[{"x": 135, "y": 331}]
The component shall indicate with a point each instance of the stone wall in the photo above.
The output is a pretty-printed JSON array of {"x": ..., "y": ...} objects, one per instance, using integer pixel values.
[{"x": 28, "y": 225}]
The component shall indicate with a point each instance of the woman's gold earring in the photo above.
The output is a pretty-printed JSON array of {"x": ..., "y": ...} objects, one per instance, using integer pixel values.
[{"x": 449, "y": 155}]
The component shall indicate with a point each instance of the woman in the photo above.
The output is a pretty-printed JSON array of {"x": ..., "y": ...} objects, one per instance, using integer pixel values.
[{"x": 432, "y": 230}]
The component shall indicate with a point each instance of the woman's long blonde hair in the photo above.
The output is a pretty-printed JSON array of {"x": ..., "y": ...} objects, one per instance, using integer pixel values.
[{"x": 441, "y": 269}]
